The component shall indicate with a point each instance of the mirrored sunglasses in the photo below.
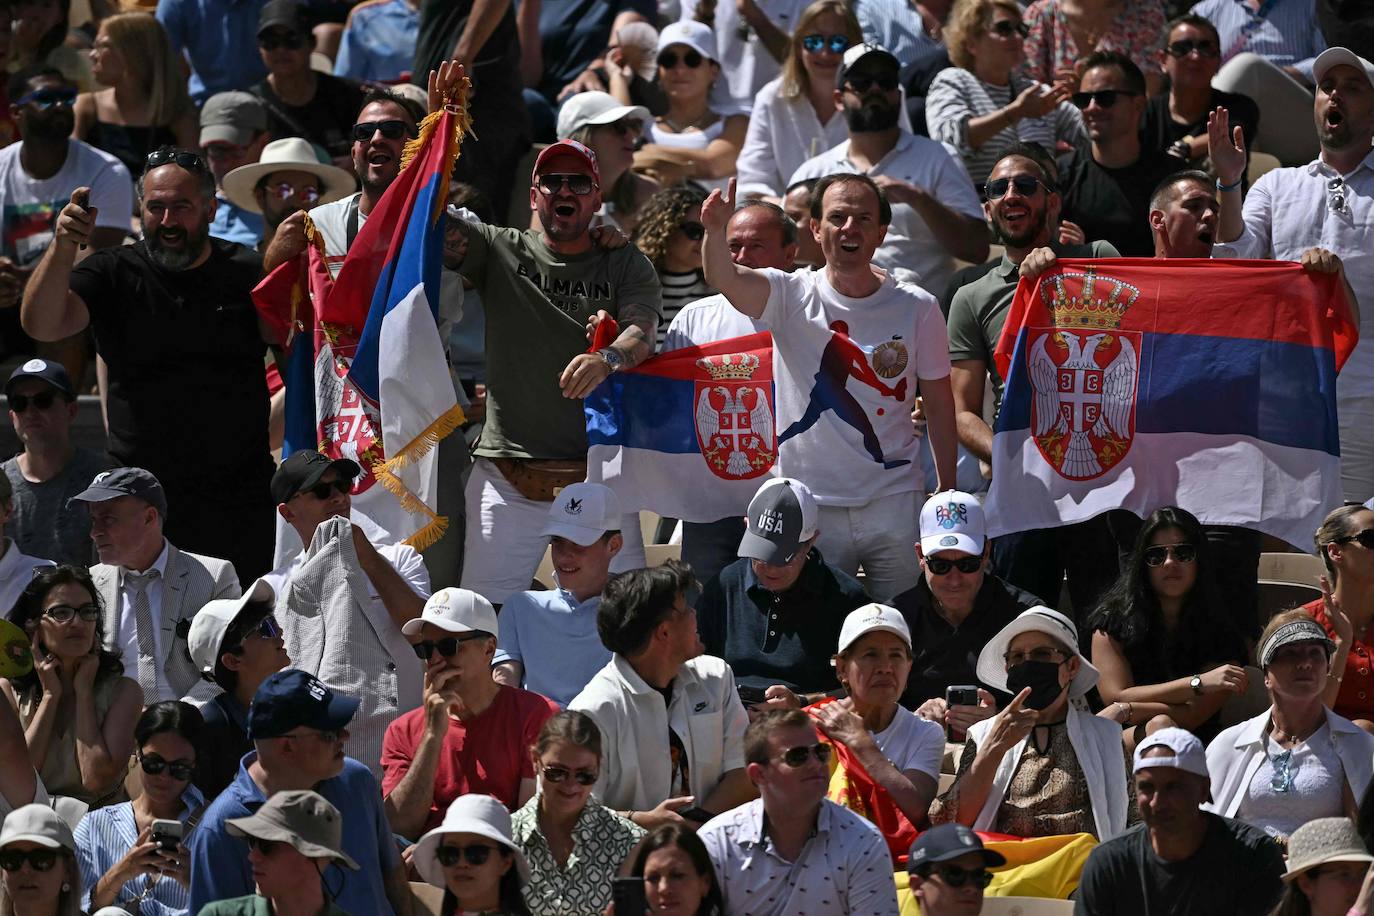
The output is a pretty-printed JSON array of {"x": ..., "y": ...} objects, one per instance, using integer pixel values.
[
  {"x": 1182, "y": 553},
  {"x": 557, "y": 774},
  {"x": 45, "y": 99},
  {"x": 835, "y": 44},
  {"x": 285, "y": 190}
]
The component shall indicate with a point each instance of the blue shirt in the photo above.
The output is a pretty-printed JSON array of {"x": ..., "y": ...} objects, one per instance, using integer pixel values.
[
  {"x": 105, "y": 836},
  {"x": 219, "y": 862},
  {"x": 555, "y": 638},
  {"x": 221, "y": 39},
  {"x": 895, "y": 25},
  {"x": 1288, "y": 36},
  {"x": 235, "y": 224},
  {"x": 379, "y": 41}
]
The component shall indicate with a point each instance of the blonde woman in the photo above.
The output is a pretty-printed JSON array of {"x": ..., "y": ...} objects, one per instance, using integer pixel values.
[{"x": 144, "y": 104}]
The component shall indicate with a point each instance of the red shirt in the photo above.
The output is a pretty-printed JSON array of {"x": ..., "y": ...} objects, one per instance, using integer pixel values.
[
  {"x": 1356, "y": 697},
  {"x": 489, "y": 754}
]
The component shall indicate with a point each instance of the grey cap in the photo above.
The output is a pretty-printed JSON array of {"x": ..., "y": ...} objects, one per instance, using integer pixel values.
[
  {"x": 109, "y": 485},
  {"x": 1304, "y": 629},
  {"x": 232, "y": 117},
  {"x": 37, "y": 824},
  {"x": 302, "y": 819},
  {"x": 782, "y": 516}
]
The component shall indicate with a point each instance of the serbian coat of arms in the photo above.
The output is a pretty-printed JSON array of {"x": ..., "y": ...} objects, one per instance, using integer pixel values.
[{"x": 734, "y": 417}]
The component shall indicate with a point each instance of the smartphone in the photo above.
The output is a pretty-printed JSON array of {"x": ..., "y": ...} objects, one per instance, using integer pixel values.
[
  {"x": 962, "y": 695},
  {"x": 167, "y": 834},
  {"x": 627, "y": 894},
  {"x": 751, "y": 696},
  {"x": 695, "y": 813}
]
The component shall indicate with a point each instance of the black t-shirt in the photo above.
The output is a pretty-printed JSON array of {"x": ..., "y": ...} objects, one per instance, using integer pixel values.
[
  {"x": 1235, "y": 871},
  {"x": 1114, "y": 204},
  {"x": 1161, "y": 130},
  {"x": 326, "y": 120},
  {"x": 187, "y": 392},
  {"x": 574, "y": 32},
  {"x": 495, "y": 71},
  {"x": 1348, "y": 24}
]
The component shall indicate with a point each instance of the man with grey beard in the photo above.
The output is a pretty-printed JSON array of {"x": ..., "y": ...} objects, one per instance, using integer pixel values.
[{"x": 173, "y": 318}]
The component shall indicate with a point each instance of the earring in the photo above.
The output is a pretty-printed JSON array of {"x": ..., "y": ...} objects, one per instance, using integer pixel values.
[{"x": 66, "y": 887}]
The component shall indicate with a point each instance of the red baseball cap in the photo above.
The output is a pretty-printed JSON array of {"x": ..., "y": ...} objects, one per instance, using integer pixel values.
[{"x": 567, "y": 148}]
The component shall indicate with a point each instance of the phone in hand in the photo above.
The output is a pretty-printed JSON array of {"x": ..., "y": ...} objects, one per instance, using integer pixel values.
[
  {"x": 627, "y": 894},
  {"x": 962, "y": 695},
  {"x": 167, "y": 834},
  {"x": 695, "y": 813},
  {"x": 751, "y": 696}
]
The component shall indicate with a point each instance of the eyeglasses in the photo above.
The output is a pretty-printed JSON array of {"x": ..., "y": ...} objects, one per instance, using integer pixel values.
[
  {"x": 332, "y": 736},
  {"x": 940, "y": 566},
  {"x": 291, "y": 41},
  {"x": 40, "y": 859},
  {"x": 391, "y": 130},
  {"x": 955, "y": 876},
  {"x": 1282, "y": 765},
  {"x": 558, "y": 774},
  {"x": 835, "y": 44},
  {"x": 1184, "y": 47},
  {"x": 668, "y": 59},
  {"x": 153, "y": 764},
  {"x": 1335, "y": 195},
  {"x": 693, "y": 231},
  {"x": 626, "y": 126},
  {"x": 447, "y": 647},
  {"x": 325, "y": 490},
  {"x": 476, "y": 854},
  {"x": 46, "y": 99},
  {"x": 63, "y": 613},
  {"x": 1041, "y": 654},
  {"x": 266, "y": 847},
  {"x": 1006, "y": 28},
  {"x": 1105, "y": 98},
  {"x": 285, "y": 190},
  {"x": 861, "y": 83},
  {"x": 1182, "y": 553},
  {"x": 552, "y": 183},
  {"x": 171, "y": 155},
  {"x": 20, "y": 402},
  {"x": 1364, "y": 538},
  {"x": 1025, "y": 185},
  {"x": 799, "y": 755}
]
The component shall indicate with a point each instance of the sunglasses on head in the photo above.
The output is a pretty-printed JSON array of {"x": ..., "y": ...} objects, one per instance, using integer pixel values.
[
  {"x": 266, "y": 847},
  {"x": 63, "y": 613},
  {"x": 955, "y": 876},
  {"x": 393, "y": 129},
  {"x": 285, "y": 190},
  {"x": 325, "y": 490},
  {"x": 1025, "y": 185},
  {"x": 40, "y": 859},
  {"x": 476, "y": 854},
  {"x": 1182, "y": 553},
  {"x": 1364, "y": 538},
  {"x": 940, "y": 566},
  {"x": 835, "y": 44},
  {"x": 153, "y": 764},
  {"x": 45, "y": 99},
  {"x": 862, "y": 82},
  {"x": 20, "y": 402},
  {"x": 1105, "y": 98},
  {"x": 1006, "y": 28},
  {"x": 168, "y": 155},
  {"x": 694, "y": 231},
  {"x": 558, "y": 774},
  {"x": 668, "y": 59},
  {"x": 1184, "y": 47},
  {"x": 447, "y": 647},
  {"x": 552, "y": 183},
  {"x": 799, "y": 755},
  {"x": 291, "y": 41}
]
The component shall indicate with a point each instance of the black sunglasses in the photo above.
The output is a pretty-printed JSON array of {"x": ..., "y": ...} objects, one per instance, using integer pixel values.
[
  {"x": 324, "y": 490},
  {"x": 861, "y": 82},
  {"x": 835, "y": 44},
  {"x": 292, "y": 41},
  {"x": 266, "y": 847},
  {"x": 1007, "y": 28},
  {"x": 447, "y": 647},
  {"x": 476, "y": 854},
  {"x": 63, "y": 613},
  {"x": 625, "y": 126},
  {"x": 45, "y": 99},
  {"x": 694, "y": 231},
  {"x": 939, "y": 566},
  {"x": 955, "y": 876},
  {"x": 1364, "y": 538},
  {"x": 799, "y": 755},
  {"x": 153, "y": 764},
  {"x": 20, "y": 402},
  {"x": 170, "y": 154},
  {"x": 1182, "y": 553},
  {"x": 668, "y": 59},
  {"x": 1184, "y": 47},
  {"x": 552, "y": 183},
  {"x": 1025, "y": 185},
  {"x": 1105, "y": 98},
  {"x": 40, "y": 859},
  {"x": 393, "y": 129},
  {"x": 558, "y": 774}
]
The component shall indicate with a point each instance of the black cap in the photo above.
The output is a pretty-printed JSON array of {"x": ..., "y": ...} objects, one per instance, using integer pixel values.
[
  {"x": 44, "y": 370},
  {"x": 285, "y": 14},
  {"x": 950, "y": 841},
  {"x": 304, "y": 469},
  {"x": 125, "y": 482},
  {"x": 292, "y": 698}
]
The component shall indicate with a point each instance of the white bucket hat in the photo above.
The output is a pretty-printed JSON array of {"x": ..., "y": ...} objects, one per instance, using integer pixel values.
[
  {"x": 479, "y": 814},
  {"x": 992, "y": 669}
]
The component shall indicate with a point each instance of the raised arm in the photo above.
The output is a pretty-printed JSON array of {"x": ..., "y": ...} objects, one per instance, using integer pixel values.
[
  {"x": 1226, "y": 148},
  {"x": 745, "y": 288},
  {"x": 50, "y": 310}
]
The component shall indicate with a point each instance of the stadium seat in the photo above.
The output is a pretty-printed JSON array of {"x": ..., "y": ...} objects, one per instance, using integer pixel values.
[
  {"x": 1026, "y": 906},
  {"x": 1294, "y": 568},
  {"x": 1259, "y": 164}
]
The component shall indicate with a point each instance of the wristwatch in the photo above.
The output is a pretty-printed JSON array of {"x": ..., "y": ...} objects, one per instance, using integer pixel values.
[
  {"x": 612, "y": 358},
  {"x": 1196, "y": 684}
]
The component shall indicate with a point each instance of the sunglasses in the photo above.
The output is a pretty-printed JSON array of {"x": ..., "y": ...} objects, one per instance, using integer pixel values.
[
  {"x": 552, "y": 183},
  {"x": 40, "y": 859},
  {"x": 1184, "y": 47},
  {"x": 266, "y": 847},
  {"x": 861, "y": 83},
  {"x": 1182, "y": 553},
  {"x": 63, "y": 613},
  {"x": 1335, "y": 195},
  {"x": 476, "y": 854},
  {"x": 835, "y": 44},
  {"x": 285, "y": 190},
  {"x": 153, "y": 765},
  {"x": 325, "y": 490},
  {"x": 20, "y": 402},
  {"x": 1282, "y": 765},
  {"x": 291, "y": 41},
  {"x": 668, "y": 59},
  {"x": 1105, "y": 98},
  {"x": 46, "y": 99},
  {"x": 1025, "y": 185},
  {"x": 626, "y": 126},
  {"x": 1042, "y": 654},
  {"x": 266, "y": 628},
  {"x": 1007, "y": 28},
  {"x": 940, "y": 566},
  {"x": 799, "y": 755},
  {"x": 558, "y": 774},
  {"x": 391, "y": 129},
  {"x": 955, "y": 876},
  {"x": 169, "y": 155},
  {"x": 1364, "y": 538},
  {"x": 694, "y": 231},
  {"x": 447, "y": 647}
]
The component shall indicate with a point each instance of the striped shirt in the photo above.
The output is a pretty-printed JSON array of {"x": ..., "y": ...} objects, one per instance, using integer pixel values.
[
  {"x": 105, "y": 836},
  {"x": 897, "y": 26},
  {"x": 1288, "y": 36},
  {"x": 678, "y": 290}
]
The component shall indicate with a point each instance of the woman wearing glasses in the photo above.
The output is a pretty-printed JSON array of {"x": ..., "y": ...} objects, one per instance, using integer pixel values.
[
  {"x": 124, "y": 860},
  {"x": 573, "y": 843},
  {"x": 474, "y": 859},
  {"x": 982, "y": 105},
  {"x": 601, "y": 123},
  {"x": 77, "y": 707},
  {"x": 1163, "y": 643},
  {"x": 1297, "y": 760},
  {"x": 1346, "y": 610},
  {"x": 670, "y": 233},
  {"x": 38, "y": 874}
]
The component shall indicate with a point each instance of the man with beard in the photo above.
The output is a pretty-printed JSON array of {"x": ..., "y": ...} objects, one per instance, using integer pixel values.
[
  {"x": 935, "y": 212},
  {"x": 288, "y": 178},
  {"x": 175, "y": 323}
]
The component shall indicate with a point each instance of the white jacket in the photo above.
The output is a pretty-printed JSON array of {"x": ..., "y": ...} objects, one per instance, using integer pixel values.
[
  {"x": 1236, "y": 753},
  {"x": 1097, "y": 742}
]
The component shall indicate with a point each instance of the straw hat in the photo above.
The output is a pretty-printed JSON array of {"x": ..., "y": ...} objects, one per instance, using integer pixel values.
[{"x": 1326, "y": 839}]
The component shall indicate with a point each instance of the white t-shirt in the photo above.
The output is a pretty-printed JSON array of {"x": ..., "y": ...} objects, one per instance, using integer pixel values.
[
  {"x": 912, "y": 743},
  {"x": 745, "y": 64},
  {"x": 29, "y": 206},
  {"x": 844, "y": 393},
  {"x": 707, "y": 321}
]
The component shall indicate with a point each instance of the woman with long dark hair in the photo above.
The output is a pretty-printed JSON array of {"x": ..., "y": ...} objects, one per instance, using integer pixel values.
[
  {"x": 679, "y": 879},
  {"x": 474, "y": 858}
]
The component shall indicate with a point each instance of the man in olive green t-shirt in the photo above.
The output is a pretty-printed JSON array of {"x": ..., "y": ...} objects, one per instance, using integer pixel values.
[{"x": 540, "y": 288}]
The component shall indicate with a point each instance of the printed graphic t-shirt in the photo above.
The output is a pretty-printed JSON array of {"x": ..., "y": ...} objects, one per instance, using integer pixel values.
[{"x": 30, "y": 205}]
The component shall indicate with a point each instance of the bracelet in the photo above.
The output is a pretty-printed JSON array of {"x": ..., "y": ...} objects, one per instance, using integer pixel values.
[
  {"x": 1230, "y": 187},
  {"x": 1130, "y": 711}
]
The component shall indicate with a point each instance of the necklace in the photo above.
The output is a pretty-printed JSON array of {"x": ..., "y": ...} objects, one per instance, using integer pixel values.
[{"x": 683, "y": 128}]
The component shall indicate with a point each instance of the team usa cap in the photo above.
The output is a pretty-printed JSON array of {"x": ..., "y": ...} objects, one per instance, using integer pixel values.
[{"x": 782, "y": 516}]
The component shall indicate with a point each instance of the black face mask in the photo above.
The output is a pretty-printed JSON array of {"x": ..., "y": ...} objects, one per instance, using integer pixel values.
[{"x": 1041, "y": 677}]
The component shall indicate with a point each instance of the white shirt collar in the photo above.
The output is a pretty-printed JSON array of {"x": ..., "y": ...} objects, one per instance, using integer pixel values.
[{"x": 1319, "y": 167}]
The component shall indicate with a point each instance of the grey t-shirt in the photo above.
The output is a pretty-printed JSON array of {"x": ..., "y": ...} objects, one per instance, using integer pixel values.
[{"x": 41, "y": 523}]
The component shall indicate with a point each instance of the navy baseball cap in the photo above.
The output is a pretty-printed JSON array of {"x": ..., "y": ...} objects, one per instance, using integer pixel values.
[
  {"x": 304, "y": 469},
  {"x": 125, "y": 482},
  {"x": 950, "y": 841},
  {"x": 45, "y": 370},
  {"x": 292, "y": 698}
]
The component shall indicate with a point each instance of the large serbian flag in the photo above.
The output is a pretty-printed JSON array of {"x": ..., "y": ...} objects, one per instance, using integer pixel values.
[
  {"x": 688, "y": 434},
  {"x": 1136, "y": 384},
  {"x": 367, "y": 377}
]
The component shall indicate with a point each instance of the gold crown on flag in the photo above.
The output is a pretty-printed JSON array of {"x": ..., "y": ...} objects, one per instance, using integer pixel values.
[
  {"x": 1088, "y": 309},
  {"x": 730, "y": 366}
]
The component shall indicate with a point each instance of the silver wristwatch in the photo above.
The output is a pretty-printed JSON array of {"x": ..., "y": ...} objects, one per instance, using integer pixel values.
[{"x": 612, "y": 358}]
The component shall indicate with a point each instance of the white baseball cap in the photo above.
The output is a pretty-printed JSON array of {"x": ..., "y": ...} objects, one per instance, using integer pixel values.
[
  {"x": 212, "y": 621},
  {"x": 869, "y": 618},
  {"x": 689, "y": 32},
  {"x": 1187, "y": 753},
  {"x": 582, "y": 513},
  {"x": 455, "y": 610},
  {"x": 595, "y": 108},
  {"x": 952, "y": 520},
  {"x": 1336, "y": 57},
  {"x": 992, "y": 668}
]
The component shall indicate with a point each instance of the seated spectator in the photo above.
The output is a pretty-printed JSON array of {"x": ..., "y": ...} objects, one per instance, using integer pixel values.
[
  {"x": 981, "y": 105},
  {"x": 38, "y": 872},
  {"x": 298, "y": 727},
  {"x": 750, "y": 42},
  {"x": 471, "y": 734},
  {"x": 455, "y": 857},
  {"x": 378, "y": 41},
  {"x": 678, "y": 875},
  {"x": 610, "y": 130},
  {"x": 669, "y": 233},
  {"x": 693, "y": 130},
  {"x": 144, "y": 105},
  {"x": 548, "y": 641},
  {"x": 1296, "y": 760},
  {"x": 1328, "y": 868},
  {"x": 776, "y": 612},
  {"x": 1065, "y": 32},
  {"x": 19, "y": 782},
  {"x": 1181, "y": 859},
  {"x": 17, "y": 568},
  {"x": 292, "y": 840},
  {"x": 216, "y": 38},
  {"x": 672, "y": 725},
  {"x": 1107, "y": 188},
  {"x": 947, "y": 870},
  {"x": 574, "y": 845},
  {"x": 1346, "y": 610},
  {"x": 50, "y": 469},
  {"x": 796, "y": 203},
  {"x": 39, "y": 38},
  {"x": 912, "y": 31},
  {"x": 792, "y": 850},
  {"x": 1042, "y": 766},
  {"x": 122, "y": 858},
  {"x": 954, "y": 610},
  {"x": 236, "y": 644},
  {"x": 1161, "y": 638},
  {"x": 233, "y": 132},
  {"x": 1176, "y": 120},
  {"x": 149, "y": 589},
  {"x": 630, "y": 67},
  {"x": 795, "y": 116},
  {"x": 287, "y": 178}
]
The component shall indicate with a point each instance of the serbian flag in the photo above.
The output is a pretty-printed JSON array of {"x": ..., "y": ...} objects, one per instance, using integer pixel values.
[
  {"x": 367, "y": 375},
  {"x": 689, "y": 434},
  {"x": 1135, "y": 384}
]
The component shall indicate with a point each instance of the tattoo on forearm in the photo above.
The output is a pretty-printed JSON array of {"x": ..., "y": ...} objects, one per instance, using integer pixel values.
[{"x": 639, "y": 323}]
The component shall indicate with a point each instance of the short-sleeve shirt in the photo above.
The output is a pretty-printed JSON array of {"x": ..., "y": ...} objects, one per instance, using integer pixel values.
[
  {"x": 326, "y": 120},
  {"x": 41, "y": 522},
  {"x": 1356, "y": 697},
  {"x": 911, "y": 743},
  {"x": 29, "y": 206},
  {"x": 537, "y": 305},
  {"x": 845, "y": 372},
  {"x": 554, "y": 637},
  {"x": 1114, "y": 204},
  {"x": 489, "y": 753},
  {"x": 378, "y": 43}
]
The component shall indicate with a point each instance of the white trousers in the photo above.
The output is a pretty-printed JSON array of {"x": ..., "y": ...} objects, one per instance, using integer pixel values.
[{"x": 880, "y": 536}]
